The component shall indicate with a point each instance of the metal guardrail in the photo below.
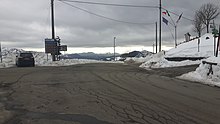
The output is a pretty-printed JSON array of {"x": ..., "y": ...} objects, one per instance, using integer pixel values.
[
  {"x": 184, "y": 58},
  {"x": 210, "y": 68}
]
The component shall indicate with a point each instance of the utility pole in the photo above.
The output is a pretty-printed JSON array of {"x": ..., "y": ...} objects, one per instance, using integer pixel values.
[
  {"x": 114, "y": 47},
  {"x": 53, "y": 30},
  {"x": 156, "y": 37},
  {"x": 160, "y": 26}
]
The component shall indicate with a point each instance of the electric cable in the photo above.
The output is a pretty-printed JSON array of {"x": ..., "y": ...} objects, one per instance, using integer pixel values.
[
  {"x": 101, "y": 16},
  {"x": 110, "y": 4}
]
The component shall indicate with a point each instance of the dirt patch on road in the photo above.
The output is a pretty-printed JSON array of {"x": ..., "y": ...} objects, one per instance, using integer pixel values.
[{"x": 175, "y": 71}]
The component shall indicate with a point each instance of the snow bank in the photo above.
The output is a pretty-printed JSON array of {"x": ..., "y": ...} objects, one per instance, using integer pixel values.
[
  {"x": 200, "y": 74},
  {"x": 68, "y": 62},
  {"x": 42, "y": 59},
  {"x": 190, "y": 49},
  {"x": 138, "y": 60},
  {"x": 158, "y": 61}
]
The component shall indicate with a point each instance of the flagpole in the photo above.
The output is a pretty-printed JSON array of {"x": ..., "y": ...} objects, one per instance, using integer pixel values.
[{"x": 174, "y": 24}]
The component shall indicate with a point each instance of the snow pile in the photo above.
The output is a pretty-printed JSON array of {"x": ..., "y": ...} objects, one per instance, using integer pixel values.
[
  {"x": 138, "y": 60},
  {"x": 41, "y": 59},
  {"x": 68, "y": 62},
  {"x": 158, "y": 61},
  {"x": 8, "y": 57},
  {"x": 190, "y": 49},
  {"x": 200, "y": 75}
]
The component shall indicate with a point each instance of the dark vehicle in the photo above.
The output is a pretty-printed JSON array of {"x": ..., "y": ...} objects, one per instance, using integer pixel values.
[{"x": 25, "y": 59}]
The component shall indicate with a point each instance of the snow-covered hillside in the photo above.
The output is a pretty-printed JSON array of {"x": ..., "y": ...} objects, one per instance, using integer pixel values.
[{"x": 190, "y": 49}]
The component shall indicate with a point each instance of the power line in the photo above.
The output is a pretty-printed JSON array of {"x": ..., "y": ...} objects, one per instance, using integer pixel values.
[
  {"x": 101, "y": 16},
  {"x": 109, "y": 4}
]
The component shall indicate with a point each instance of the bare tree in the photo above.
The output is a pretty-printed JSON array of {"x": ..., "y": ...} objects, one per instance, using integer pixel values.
[
  {"x": 208, "y": 12},
  {"x": 198, "y": 23}
]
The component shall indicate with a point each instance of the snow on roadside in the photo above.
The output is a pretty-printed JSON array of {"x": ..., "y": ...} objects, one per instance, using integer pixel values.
[
  {"x": 68, "y": 62},
  {"x": 158, "y": 61},
  {"x": 137, "y": 60},
  {"x": 200, "y": 74},
  {"x": 41, "y": 59}
]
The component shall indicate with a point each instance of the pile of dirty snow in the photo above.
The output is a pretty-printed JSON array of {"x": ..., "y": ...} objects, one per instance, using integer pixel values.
[
  {"x": 159, "y": 61},
  {"x": 200, "y": 74}
]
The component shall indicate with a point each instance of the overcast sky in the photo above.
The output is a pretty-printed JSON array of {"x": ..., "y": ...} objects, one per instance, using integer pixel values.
[{"x": 26, "y": 23}]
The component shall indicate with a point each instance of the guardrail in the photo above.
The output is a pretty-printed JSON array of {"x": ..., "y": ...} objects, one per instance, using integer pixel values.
[
  {"x": 210, "y": 68},
  {"x": 184, "y": 58}
]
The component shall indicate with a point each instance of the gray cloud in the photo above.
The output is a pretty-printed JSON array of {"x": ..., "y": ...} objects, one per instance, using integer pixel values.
[{"x": 25, "y": 23}]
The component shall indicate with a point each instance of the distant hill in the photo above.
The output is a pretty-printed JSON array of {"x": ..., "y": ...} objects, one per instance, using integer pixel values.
[
  {"x": 105, "y": 57},
  {"x": 136, "y": 54},
  {"x": 89, "y": 55}
]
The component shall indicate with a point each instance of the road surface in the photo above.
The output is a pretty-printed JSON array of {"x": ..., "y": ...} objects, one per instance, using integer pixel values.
[{"x": 103, "y": 94}]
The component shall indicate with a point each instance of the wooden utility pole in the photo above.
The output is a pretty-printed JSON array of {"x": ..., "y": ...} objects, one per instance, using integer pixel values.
[
  {"x": 53, "y": 29},
  {"x": 160, "y": 26}
]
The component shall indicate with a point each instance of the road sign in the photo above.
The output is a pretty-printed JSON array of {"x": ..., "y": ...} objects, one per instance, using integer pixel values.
[
  {"x": 63, "y": 48},
  {"x": 50, "y": 46}
]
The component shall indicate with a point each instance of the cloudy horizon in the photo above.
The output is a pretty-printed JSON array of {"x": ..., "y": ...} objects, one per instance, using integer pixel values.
[{"x": 26, "y": 23}]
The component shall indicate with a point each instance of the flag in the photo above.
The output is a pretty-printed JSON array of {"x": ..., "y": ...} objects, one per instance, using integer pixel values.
[
  {"x": 165, "y": 21},
  {"x": 164, "y": 13},
  {"x": 179, "y": 18},
  {"x": 168, "y": 13}
]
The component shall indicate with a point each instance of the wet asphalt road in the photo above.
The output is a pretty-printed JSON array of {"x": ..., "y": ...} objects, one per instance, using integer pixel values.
[{"x": 104, "y": 94}]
